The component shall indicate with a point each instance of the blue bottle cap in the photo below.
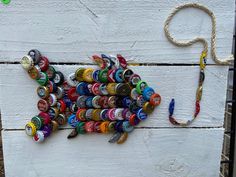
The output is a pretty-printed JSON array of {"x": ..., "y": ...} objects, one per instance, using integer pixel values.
[
  {"x": 118, "y": 126},
  {"x": 141, "y": 114},
  {"x": 88, "y": 102},
  {"x": 104, "y": 115},
  {"x": 95, "y": 75},
  {"x": 108, "y": 61},
  {"x": 80, "y": 88},
  {"x": 72, "y": 120},
  {"x": 67, "y": 101},
  {"x": 127, "y": 127},
  {"x": 118, "y": 75},
  {"x": 147, "y": 93},
  {"x": 126, "y": 102}
]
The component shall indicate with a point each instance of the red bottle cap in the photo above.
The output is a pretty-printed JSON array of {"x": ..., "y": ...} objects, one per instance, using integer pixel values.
[
  {"x": 43, "y": 63},
  {"x": 72, "y": 94}
]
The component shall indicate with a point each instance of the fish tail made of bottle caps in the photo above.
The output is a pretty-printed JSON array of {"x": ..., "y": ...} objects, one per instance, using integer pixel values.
[{"x": 108, "y": 99}]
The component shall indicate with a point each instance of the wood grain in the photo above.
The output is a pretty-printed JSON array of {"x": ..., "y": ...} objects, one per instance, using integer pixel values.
[
  {"x": 147, "y": 152},
  {"x": 71, "y": 31},
  {"x": 18, "y": 94}
]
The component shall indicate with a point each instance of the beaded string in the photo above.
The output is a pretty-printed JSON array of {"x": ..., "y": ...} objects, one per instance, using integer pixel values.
[
  {"x": 202, "y": 64},
  {"x": 203, "y": 57}
]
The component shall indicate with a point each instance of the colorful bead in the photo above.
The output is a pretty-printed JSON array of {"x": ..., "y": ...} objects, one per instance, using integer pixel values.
[{"x": 202, "y": 64}]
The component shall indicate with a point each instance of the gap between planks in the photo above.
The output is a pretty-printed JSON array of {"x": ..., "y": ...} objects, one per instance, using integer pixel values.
[
  {"x": 129, "y": 64},
  {"x": 68, "y": 128}
]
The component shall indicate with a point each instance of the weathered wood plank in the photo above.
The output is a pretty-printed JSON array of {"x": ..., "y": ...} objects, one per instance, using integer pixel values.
[
  {"x": 18, "y": 97},
  {"x": 70, "y": 31},
  {"x": 147, "y": 152}
]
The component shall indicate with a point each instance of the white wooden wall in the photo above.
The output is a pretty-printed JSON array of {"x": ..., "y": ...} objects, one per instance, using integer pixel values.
[{"x": 70, "y": 32}]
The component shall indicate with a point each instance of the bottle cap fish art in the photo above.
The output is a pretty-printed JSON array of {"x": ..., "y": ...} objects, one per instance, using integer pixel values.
[{"x": 108, "y": 99}]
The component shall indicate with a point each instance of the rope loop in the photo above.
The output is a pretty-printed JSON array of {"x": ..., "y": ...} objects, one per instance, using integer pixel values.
[{"x": 180, "y": 43}]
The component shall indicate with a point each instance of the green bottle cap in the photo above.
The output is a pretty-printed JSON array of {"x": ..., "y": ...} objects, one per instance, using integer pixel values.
[
  {"x": 80, "y": 128},
  {"x": 43, "y": 79},
  {"x": 37, "y": 121},
  {"x": 6, "y": 1},
  {"x": 51, "y": 72},
  {"x": 141, "y": 86},
  {"x": 103, "y": 75}
]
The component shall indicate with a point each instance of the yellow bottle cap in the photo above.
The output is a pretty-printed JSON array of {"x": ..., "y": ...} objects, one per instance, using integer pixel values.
[
  {"x": 79, "y": 74},
  {"x": 96, "y": 114},
  {"x": 104, "y": 127},
  {"x": 27, "y": 62},
  {"x": 55, "y": 125},
  {"x": 88, "y": 75},
  {"x": 30, "y": 129},
  {"x": 148, "y": 108},
  {"x": 111, "y": 88},
  {"x": 122, "y": 138}
]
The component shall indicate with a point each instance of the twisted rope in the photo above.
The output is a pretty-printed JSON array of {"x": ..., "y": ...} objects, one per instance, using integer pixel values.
[{"x": 180, "y": 43}]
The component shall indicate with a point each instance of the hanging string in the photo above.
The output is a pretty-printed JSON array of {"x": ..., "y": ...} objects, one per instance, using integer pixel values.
[
  {"x": 197, "y": 39},
  {"x": 202, "y": 62}
]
